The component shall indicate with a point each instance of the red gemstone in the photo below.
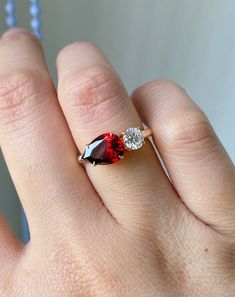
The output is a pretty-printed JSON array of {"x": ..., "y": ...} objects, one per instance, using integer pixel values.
[{"x": 107, "y": 148}]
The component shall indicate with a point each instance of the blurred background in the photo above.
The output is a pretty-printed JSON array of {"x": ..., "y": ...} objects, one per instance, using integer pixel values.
[{"x": 187, "y": 41}]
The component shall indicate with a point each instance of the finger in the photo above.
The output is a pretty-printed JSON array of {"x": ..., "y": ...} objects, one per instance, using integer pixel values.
[
  {"x": 94, "y": 101},
  {"x": 200, "y": 168},
  {"x": 36, "y": 141},
  {"x": 10, "y": 246}
]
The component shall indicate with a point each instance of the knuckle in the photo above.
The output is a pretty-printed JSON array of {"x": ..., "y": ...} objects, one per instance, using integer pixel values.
[
  {"x": 161, "y": 89},
  {"x": 227, "y": 255},
  {"x": 70, "y": 48},
  {"x": 191, "y": 129},
  {"x": 66, "y": 266},
  {"x": 69, "y": 270},
  {"x": 19, "y": 93},
  {"x": 163, "y": 86},
  {"x": 26, "y": 37},
  {"x": 92, "y": 90}
]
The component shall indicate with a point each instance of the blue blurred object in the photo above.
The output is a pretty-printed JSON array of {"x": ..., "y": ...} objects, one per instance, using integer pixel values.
[
  {"x": 35, "y": 12},
  {"x": 10, "y": 13}
]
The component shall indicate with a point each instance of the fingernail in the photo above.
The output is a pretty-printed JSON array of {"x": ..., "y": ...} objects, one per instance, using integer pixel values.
[{"x": 15, "y": 31}]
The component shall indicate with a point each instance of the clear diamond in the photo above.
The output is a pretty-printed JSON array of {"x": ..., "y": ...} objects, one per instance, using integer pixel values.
[{"x": 133, "y": 138}]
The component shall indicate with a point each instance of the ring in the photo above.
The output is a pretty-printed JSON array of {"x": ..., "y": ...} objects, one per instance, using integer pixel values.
[{"x": 109, "y": 148}]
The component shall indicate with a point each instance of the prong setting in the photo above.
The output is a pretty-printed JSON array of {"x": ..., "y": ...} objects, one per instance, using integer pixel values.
[
  {"x": 80, "y": 159},
  {"x": 133, "y": 139},
  {"x": 109, "y": 148}
]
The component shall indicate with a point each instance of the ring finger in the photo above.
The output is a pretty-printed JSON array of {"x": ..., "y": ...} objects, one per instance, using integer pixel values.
[{"x": 94, "y": 101}]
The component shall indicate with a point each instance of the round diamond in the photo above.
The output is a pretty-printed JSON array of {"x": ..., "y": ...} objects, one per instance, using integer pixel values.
[{"x": 133, "y": 138}]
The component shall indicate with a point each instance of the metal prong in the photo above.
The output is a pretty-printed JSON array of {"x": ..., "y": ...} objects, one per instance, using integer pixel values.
[
  {"x": 93, "y": 163},
  {"x": 81, "y": 160},
  {"x": 122, "y": 134},
  {"x": 121, "y": 157}
]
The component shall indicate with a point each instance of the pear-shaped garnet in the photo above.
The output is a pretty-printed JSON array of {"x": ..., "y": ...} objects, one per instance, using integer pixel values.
[{"x": 107, "y": 148}]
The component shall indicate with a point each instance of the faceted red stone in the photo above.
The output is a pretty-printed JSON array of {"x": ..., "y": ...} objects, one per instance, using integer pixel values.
[{"x": 107, "y": 148}]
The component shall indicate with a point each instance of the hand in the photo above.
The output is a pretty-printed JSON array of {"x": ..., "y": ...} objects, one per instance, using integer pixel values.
[{"x": 117, "y": 230}]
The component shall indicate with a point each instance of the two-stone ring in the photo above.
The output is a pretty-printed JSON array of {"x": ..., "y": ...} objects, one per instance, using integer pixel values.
[{"x": 109, "y": 148}]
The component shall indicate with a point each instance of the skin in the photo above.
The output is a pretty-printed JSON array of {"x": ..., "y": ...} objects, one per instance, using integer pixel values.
[{"x": 119, "y": 230}]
